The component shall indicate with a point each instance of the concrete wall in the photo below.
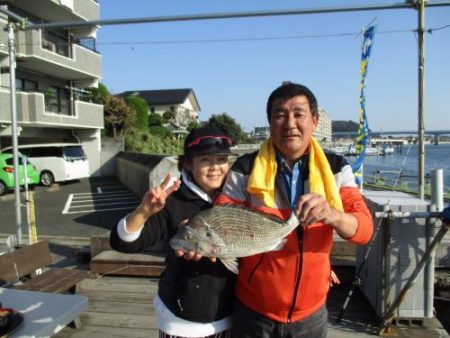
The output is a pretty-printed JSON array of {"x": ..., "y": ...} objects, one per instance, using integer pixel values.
[
  {"x": 110, "y": 148},
  {"x": 140, "y": 172}
]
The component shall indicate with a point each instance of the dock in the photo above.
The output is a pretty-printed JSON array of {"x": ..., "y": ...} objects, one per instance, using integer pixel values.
[{"x": 122, "y": 306}]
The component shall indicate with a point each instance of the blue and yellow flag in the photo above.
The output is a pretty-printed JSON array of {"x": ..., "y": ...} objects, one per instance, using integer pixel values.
[{"x": 363, "y": 131}]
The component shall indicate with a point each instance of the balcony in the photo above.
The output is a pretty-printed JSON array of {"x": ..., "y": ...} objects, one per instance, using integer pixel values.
[
  {"x": 60, "y": 10},
  {"x": 65, "y": 61},
  {"x": 31, "y": 111},
  {"x": 4, "y": 44}
]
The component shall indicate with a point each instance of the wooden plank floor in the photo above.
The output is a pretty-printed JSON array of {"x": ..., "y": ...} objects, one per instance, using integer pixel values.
[{"x": 123, "y": 307}]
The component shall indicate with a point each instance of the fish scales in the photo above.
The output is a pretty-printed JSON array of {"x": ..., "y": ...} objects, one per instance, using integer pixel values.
[
  {"x": 228, "y": 232},
  {"x": 245, "y": 232}
]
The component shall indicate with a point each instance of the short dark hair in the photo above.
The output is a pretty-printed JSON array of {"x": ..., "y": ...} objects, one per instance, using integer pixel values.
[{"x": 287, "y": 91}]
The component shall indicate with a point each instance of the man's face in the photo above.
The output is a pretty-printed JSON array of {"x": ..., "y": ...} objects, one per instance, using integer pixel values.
[{"x": 291, "y": 125}]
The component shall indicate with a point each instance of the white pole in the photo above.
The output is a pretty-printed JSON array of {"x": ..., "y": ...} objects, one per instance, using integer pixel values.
[
  {"x": 421, "y": 104},
  {"x": 12, "y": 82}
]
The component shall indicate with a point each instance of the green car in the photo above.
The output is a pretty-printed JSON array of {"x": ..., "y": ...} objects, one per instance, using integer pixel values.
[{"x": 7, "y": 173}]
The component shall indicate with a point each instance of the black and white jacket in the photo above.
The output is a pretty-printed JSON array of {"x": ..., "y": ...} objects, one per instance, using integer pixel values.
[{"x": 197, "y": 291}]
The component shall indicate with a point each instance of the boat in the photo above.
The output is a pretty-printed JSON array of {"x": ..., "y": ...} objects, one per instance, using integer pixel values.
[{"x": 386, "y": 149}]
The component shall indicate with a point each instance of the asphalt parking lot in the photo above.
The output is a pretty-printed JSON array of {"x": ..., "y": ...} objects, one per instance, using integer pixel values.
[{"x": 72, "y": 210}]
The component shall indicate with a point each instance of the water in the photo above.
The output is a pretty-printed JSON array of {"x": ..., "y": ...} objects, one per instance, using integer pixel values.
[{"x": 436, "y": 157}]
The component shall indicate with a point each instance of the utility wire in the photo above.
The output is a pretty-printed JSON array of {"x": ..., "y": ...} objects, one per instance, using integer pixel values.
[{"x": 225, "y": 40}]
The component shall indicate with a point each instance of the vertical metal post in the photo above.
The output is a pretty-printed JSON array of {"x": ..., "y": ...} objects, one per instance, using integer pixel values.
[
  {"x": 437, "y": 204},
  {"x": 437, "y": 188},
  {"x": 421, "y": 125},
  {"x": 387, "y": 265},
  {"x": 24, "y": 161},
  {"x": 12, "y": 83}
]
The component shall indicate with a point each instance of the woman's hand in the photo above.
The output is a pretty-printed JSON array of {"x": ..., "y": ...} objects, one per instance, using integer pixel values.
[{"x": 155, "y": 199}]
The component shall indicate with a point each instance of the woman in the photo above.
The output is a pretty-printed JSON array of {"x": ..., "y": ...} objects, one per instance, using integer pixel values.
[{"x": 195, "y": 297}]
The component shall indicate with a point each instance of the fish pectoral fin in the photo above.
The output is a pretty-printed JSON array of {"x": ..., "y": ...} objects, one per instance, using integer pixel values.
[
  {"x": 278, "y": 245},
  {"x": 231, "y": 264}
]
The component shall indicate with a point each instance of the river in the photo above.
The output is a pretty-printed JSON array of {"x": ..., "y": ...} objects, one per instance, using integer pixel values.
[{"x": 406, "y": 160}]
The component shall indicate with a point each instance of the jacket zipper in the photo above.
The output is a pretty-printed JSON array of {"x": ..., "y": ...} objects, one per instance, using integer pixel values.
[{"x": 299, "y": 273}]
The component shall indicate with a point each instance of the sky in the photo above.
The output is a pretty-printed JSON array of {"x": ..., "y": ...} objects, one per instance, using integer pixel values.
[{"x": 234, "y": 64}]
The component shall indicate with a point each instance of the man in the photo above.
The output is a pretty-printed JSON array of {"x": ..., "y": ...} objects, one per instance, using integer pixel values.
[{"x": 283, "y": 293}]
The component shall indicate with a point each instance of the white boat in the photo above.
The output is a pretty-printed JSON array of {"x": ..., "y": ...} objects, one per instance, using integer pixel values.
[
  {"x": 350, "y": 150},
  {"x": 386, "y": 149}
]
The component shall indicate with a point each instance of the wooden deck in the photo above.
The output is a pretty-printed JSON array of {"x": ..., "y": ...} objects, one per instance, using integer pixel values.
[{"x": 123, "y": 307}]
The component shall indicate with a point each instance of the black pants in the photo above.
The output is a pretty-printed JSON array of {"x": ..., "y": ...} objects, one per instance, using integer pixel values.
[{"x": 249, "y": 324}]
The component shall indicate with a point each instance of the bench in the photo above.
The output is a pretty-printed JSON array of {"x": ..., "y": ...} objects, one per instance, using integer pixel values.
[
  {"x": 106, "y": 261},
  {"x": 18, "y": 271}
]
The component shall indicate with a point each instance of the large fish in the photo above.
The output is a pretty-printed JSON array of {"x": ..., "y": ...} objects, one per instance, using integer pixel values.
[{"x": 228, "y": 232}]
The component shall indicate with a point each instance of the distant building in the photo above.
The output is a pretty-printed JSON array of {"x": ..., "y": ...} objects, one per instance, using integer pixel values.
[
  {"x": 182, "y": 102},
  {"x": 259, "y": 134},
  {"x": 322, "y": 133},
  {"x": 53, "y": 68}
]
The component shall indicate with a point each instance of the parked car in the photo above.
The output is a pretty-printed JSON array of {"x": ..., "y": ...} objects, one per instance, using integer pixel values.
[
  {"x": 56, "y": 162},
  {"x": 7, "y": 172}
]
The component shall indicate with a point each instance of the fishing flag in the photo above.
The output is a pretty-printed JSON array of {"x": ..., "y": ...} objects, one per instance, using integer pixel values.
[{"x": 363, "y": 130}]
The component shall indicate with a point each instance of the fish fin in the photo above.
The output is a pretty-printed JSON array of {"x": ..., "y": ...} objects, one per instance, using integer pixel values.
[
  {"x": 231, "y": 264},
  {"x": 278, "y": 245},
  {"x": 293, "y": 220}
]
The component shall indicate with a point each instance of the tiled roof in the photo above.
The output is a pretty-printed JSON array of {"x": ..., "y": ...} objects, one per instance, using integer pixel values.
[{"x": 161, "y": 96}]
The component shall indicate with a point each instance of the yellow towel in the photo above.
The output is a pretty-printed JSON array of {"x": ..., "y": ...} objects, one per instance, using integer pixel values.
[{"x": 261, "y": 182}]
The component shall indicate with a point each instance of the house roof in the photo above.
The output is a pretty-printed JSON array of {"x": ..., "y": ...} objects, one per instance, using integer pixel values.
[{"x": 164, "y": 96}]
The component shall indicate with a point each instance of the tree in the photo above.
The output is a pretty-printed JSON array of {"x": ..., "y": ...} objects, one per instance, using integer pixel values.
[
  {"x": 154, "y": 120},
  {"x": 229, "y": 126},
  {"x": 193, "y": 125},
  {"x": 141, "y": 108},
  {"x": 160, "y": 131},
  {"x": 119, "y": 117},
  {"x": 168, "y": 116},
  {"x": 345, "y": 126},
  {"x": 98, "y": 95}
]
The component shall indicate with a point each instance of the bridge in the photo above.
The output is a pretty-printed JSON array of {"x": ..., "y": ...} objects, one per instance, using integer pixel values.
[{"x": 434, "y": 133}]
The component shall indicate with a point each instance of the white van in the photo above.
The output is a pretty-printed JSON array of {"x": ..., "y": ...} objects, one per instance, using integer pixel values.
[{"x": 56, "y": 162}]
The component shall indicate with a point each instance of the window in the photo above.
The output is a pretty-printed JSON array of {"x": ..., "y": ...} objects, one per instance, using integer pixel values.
[
  {"x": 21, "y": 160},
  {"x": 57, "y": 100},
  {"x": 26, "y": 85},
  {"x": 56, "y": 43}
]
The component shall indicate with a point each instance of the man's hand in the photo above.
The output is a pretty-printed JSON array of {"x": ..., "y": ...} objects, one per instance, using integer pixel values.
[{"x": 313, "y": 208}]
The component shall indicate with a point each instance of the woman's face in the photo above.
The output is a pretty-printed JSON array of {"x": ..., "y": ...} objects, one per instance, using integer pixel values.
[{"x": 209, "y": 171}]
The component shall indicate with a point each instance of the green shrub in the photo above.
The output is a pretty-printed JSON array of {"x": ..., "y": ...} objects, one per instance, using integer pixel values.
[
  {"x": 154, "y": 120},
  {"x": 160, "y": 131},
  {"x": 141, "y": 108},
  {"x": 152, "y": 144}
]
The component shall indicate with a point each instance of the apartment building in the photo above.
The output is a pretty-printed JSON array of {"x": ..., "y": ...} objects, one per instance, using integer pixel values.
[
  {"x": 323, "y": 132},
  {"x": 53, "y": 69}
]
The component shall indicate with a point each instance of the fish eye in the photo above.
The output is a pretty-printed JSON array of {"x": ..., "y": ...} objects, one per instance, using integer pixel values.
[{"x": 187, "y": 235}]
